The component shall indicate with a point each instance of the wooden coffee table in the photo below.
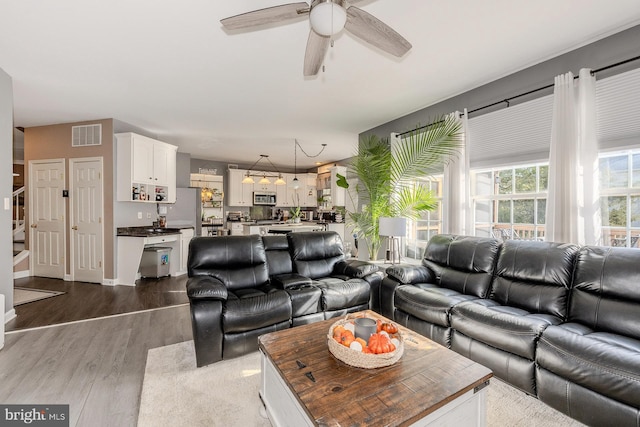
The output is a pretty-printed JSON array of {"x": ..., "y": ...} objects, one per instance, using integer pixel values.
[{"x": 304, "y": 384}]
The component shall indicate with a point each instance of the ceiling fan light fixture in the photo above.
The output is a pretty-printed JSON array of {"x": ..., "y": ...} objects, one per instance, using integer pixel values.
[{"x": 328, "y": 17}]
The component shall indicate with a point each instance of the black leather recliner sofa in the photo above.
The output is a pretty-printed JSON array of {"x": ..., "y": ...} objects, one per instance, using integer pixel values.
[
  {"x": 240, "y": 287},
  {"x": 555, "y": 320}
]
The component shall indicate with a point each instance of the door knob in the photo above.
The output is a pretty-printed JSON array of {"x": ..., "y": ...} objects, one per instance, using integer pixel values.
[
  {"x": 34, "y": 225},
  {"x": 75, "y": 227}
]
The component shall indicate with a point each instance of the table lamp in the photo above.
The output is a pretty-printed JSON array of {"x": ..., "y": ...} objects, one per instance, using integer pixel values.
[{"x": 392, "y": 228}]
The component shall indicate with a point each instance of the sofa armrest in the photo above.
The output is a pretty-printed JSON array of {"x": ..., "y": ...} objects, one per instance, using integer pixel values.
[
  {"x": 410, "y": 274},
  {"x": 355, "y": 269},
  {"x": 206, "y": 287},
  {"x": 287, "y": 280}
]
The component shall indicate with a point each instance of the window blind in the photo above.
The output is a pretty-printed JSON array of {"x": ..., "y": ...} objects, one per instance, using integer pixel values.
[
  {"x": 518, "y": 134},
  {"x": 618, "y": 110}
]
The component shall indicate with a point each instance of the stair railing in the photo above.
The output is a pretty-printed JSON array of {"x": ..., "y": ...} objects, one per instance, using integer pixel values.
[{"x": 18, "y": 211}]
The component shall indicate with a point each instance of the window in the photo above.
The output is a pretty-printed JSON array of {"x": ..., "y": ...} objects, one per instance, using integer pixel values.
[
  {"x": 430, "y": 223},
  {"x": 510, "y": 202},
  {"x": 620, "y": 198}
]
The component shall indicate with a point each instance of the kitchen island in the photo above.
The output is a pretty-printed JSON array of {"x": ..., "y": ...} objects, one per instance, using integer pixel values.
[{"x": 280, "y": 227}]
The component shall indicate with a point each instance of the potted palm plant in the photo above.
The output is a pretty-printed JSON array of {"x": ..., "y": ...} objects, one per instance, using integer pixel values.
[{"x": 385, "y": 176}]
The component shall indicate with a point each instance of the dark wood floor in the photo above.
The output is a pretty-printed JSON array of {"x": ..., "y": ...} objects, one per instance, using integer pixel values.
[
  {"x": 96, "y": 367},
  {"x": 89, "y": 300}
]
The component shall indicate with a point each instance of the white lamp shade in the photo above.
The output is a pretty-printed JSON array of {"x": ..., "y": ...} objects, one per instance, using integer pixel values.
[
  {"x": 328, "y": 18},
  {"x": 396, "y": 227},
  {"x": 264, "y": 180},
  {"x": 295, "y": 183}
]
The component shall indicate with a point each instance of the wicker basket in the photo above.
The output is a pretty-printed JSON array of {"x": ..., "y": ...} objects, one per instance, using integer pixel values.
[{"x": 359, "y": 359}]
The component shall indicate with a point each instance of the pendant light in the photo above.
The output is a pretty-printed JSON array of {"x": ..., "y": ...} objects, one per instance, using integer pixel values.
[
  {"x": 295, "y": 183},
  {"x": 248, "y": 177}
]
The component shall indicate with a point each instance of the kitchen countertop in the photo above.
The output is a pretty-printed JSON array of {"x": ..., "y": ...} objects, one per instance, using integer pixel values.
[{"x": 147, "y": 231}]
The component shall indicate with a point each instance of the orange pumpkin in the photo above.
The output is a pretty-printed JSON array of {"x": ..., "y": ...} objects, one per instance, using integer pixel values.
[
  {"x": 389, "y": 328},
  {"x": 379, "y": 325},
  {"x": 347, "y": 337},
  {"x": 379, "y": 343},
  {"x": 338, "y": 330}
]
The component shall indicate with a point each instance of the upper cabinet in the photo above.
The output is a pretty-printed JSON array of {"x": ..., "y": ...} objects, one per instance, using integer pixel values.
[
  {"x": 329, "y": 194},
  {"x": 239, "y": 194},
  {"x": 146, "y": 169}
]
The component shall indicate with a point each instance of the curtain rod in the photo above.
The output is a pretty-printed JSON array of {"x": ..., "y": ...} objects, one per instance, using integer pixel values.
[{"x": 508, "y": 100}]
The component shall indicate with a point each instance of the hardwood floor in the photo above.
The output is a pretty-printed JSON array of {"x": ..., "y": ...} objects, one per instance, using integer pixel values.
[
  {"x": 89, "y": 300},
  {"x": 96, "y": 365}
]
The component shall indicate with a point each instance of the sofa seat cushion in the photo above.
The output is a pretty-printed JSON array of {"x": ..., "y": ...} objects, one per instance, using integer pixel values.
[
  {"x": 428, "y": 302},
  {"x": 254, "y": 308},
  {"x": 331, "y": 280},
  {"x": 305, "y": 299},
  {"x": 508, "y": 328},
  {"x": 600, "y": 361},
  {"x": 343, "y": 294}
]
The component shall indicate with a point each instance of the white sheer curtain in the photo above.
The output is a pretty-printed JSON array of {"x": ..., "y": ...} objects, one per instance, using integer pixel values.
[
  {"x": 456, "y": 208},
  {"x": 572, "y": 205}
]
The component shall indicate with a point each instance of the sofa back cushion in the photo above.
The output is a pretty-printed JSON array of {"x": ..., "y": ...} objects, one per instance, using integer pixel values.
[
  {"x": 237, "y": 261},
  {"x": 315, "y": 253},
  {"x": 606, "y": 290},
  {"x": 535, "y": 276},
  {"x": 278, "y": 258},
  {"x": 462, "y": 263}
]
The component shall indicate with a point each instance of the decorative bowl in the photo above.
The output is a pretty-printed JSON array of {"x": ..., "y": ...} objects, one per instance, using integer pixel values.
[{"x": 359, "y": 359}]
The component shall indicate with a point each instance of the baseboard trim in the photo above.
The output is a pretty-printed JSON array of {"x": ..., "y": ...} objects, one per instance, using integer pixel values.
[
  {"x": 21, "y": 274},
  {"x": 109, "y": 282},
  {"x": 9, "y": 316}
]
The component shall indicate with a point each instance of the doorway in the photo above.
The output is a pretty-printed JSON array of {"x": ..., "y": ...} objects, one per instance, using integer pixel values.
[
  {"x": 47, "y": 212},
  {"x": 86, "y": 219}
]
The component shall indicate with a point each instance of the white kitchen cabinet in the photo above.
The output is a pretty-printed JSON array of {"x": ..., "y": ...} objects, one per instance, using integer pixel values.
[
  {"x": 186, "y": 234},
  {"x": 239, "y": 194},
  {"x": 282, "y": 192},
  {"x": 309, "y": 197},
  {"x": 265, "y": 188},
  {"x": 146, "y": 169}
]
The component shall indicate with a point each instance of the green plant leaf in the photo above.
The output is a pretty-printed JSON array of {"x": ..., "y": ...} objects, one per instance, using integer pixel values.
[{"x": 341, "y": 181}]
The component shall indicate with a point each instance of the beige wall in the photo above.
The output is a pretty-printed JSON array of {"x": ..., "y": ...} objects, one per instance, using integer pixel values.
[{"x": 54, "y": 142}]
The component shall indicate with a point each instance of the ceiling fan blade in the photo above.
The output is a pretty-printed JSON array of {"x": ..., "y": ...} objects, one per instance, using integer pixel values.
[
  {"x": 265, "y": 16},
  {"x": 375, "y": 32},
  {"x": 317, "y": 46}
]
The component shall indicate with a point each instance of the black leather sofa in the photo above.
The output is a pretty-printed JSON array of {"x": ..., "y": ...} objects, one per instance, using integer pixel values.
[
  {"x": 560, "y": 322},
  {"x": 240, "y": 287}
]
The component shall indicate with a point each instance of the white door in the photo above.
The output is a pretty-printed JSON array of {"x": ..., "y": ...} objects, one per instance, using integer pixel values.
[
  {"x": 86, "y": 203},
  {"x": 47, "y": 217}
]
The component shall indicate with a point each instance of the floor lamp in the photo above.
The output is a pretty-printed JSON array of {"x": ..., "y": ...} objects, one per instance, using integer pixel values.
[{"x": 392, "y": 229}]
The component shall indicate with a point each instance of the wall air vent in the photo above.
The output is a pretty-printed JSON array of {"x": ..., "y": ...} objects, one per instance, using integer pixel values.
[{"x": 86, "y": 135}]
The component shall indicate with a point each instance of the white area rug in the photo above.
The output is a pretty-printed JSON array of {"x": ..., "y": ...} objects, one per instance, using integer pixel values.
[
  {"x": 26, "y": 295},
  {"x": 176, "y": 393}
]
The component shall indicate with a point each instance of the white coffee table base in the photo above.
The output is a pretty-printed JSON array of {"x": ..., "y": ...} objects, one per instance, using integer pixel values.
[{"x": 284, "y": 409}]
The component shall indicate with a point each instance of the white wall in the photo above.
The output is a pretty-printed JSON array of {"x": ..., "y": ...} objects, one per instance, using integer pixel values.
[{"x": 6, "y": 189}]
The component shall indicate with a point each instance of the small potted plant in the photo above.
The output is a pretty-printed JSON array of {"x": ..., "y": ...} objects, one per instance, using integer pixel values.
[{"x": 295, "y": 211}]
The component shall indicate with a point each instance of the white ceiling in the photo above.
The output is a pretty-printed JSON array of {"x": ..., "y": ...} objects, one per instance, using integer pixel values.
[{"x": 170, "y": 68}]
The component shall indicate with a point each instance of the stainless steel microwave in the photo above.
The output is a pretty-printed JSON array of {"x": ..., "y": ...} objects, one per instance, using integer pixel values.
[{"x": 264, "y": 198}]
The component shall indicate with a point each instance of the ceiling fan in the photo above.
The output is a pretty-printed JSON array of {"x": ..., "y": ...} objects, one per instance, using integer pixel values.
[{"x": 327, "y": 18}]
